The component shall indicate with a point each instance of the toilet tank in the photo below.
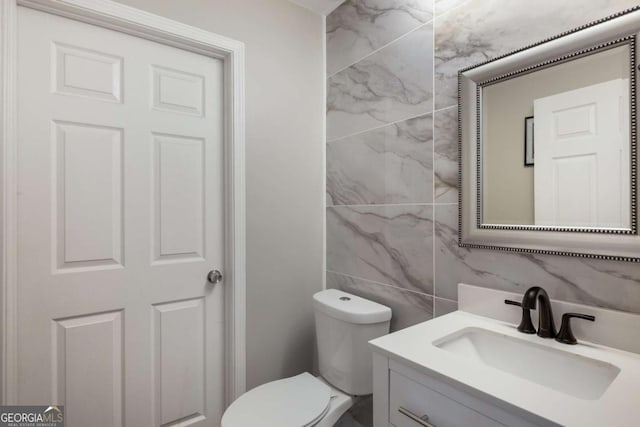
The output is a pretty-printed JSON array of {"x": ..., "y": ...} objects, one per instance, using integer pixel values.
[{"x": 345, "y": 324}]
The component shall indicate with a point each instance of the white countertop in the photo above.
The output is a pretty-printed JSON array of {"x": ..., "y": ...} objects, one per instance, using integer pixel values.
[{"x": 619, "y": 406}]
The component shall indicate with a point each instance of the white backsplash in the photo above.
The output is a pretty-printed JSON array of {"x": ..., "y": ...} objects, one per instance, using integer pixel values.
[{"x": 611, "y": 328}]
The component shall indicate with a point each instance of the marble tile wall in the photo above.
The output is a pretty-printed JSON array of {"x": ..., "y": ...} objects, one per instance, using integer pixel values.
[
  {"x": 380, "y": 155},
  {"x": 391, "y": 164},
  {"x": 367, "y": 25},
  {"x": 383, "y": 88},
  {"x": 392, "y": 155}
]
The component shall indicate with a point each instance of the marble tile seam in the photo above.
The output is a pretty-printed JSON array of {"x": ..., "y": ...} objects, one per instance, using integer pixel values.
[
  {"x": 380, "y": 48},
  {"x": 379, "y": 205},
  {"x": 391, "y": 123},
  {"x": 375, "y": 282},
  {"x": 360, "y": 132}
]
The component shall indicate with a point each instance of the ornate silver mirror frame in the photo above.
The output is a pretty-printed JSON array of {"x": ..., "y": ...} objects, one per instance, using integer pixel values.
[{"x": 602, "y": 243}]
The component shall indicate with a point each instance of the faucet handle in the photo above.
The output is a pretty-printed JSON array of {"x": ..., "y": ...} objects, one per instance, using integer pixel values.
[
  {"x": 526, "y": 325},
  {"x": 565, "y": 335}
]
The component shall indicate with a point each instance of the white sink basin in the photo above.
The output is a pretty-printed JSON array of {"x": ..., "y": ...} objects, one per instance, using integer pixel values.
[{"x": 569, "y": 373}]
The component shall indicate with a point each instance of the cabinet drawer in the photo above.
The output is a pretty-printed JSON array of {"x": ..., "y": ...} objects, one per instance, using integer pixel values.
[{"x": 407, "y": 398}]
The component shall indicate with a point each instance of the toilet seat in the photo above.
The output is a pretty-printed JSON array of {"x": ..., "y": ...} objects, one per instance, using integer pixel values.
[{"x": 299, "y": 401}]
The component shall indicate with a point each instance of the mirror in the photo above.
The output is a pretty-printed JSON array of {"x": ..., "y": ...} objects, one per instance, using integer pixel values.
[
  {"x": 556, "y": 144},
  {"x": 548, "y": 145}
]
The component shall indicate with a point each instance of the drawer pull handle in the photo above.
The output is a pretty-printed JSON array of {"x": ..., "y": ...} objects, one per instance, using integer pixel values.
[{"x": 423, "y": 420}]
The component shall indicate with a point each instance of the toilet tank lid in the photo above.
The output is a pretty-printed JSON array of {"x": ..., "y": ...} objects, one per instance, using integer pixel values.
[{"x": 350, "y": 308}]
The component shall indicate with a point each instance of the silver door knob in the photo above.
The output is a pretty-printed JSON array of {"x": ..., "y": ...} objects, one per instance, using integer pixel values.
[{"x": 214, "y": 276}]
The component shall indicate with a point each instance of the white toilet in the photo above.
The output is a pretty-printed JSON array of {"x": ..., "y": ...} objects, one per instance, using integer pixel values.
[{"x": 344, "y": 325}]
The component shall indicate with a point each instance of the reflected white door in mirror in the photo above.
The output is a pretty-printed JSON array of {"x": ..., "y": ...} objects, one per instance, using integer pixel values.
[{"x": 581, "y": 175}]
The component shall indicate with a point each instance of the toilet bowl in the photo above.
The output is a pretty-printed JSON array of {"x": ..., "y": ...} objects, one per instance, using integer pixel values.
[
  {"x": 345, "y": 324},
  {"x": 300, "y": 401}
]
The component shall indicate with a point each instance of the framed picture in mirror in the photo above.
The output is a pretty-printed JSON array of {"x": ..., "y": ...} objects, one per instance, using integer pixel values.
[{"x": 529, "y": 149}]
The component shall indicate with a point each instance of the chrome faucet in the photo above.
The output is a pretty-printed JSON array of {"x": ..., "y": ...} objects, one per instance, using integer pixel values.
[{"x": 546, "y": 326}]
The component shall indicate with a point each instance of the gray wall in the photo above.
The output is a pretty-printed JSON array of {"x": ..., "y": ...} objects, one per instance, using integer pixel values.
[
  {"x": 284, "y": 58},
  {"x": 392, "y": 147}
]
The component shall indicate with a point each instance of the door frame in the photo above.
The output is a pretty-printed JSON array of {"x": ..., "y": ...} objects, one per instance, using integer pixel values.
[{"x": 112, "y": 15}]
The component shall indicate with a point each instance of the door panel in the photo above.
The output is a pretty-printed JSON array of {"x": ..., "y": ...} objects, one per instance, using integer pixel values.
[
  {"x": 179, "y": 361},
  {"x": 85, "y": 72},
  {"x": 178, "y": 192},
  {"x": 87, "y": 176},
  {"x": 88, "y": 368},
  {"x": 569, "y": 174},
  {"x": 177, "y": 91},
  {"x": 120, "y": 219}
]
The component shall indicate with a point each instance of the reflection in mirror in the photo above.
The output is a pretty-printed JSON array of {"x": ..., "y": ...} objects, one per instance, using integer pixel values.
[{"x": 556, "y": 144}]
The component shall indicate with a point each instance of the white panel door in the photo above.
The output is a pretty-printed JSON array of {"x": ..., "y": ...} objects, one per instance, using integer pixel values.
[
  {"x": 582, "y": 157},
  {"x": 120, "y": 220}
]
